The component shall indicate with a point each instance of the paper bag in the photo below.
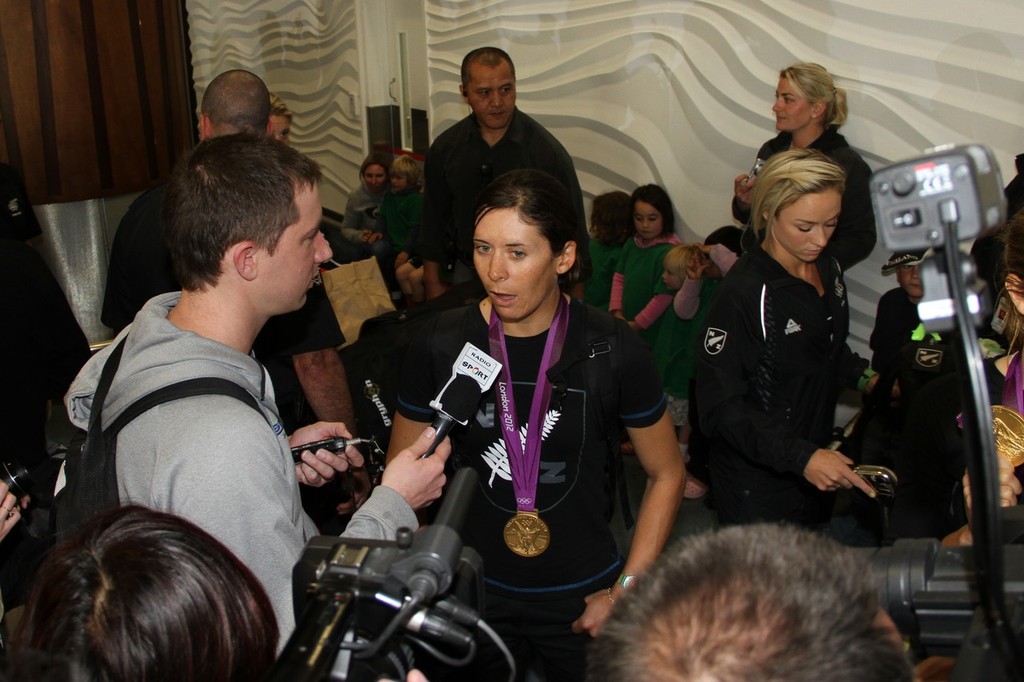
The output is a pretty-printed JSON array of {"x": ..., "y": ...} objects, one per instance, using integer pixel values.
[{"x": 357, "y": 292}]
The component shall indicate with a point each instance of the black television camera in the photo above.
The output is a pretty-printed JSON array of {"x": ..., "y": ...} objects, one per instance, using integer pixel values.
[
  {"x": 363, "y": 605},
  {"x": 955, "y": 601},
  {"x": 929, "y": 590}
]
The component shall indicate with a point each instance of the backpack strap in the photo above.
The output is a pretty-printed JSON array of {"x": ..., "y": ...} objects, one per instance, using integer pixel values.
[
  {"x": 597, "y": 346},
  {"x": 92, "y": 474},
  {"x": 91, "y": 478},
  {"x": 183, "y": 389}
]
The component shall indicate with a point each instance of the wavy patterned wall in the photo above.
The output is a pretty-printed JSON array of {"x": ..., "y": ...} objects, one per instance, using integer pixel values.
[
  {"x": 306, "y": 52},
  {"x": 679, "y": 92},
  {"x": 673, "y": 91}
]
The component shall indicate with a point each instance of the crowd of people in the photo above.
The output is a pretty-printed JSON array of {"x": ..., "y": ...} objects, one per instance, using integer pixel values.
[{"x": 717, "y": 364}]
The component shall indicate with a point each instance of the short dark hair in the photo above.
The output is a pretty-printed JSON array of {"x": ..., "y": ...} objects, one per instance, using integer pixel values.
[
  {"x": 488, "y": 56},
  {"x": 611, "y": 218},
  {"x": 540, "y": 200},
  {"x": 755, "y": 602},
  {"x": 230, "y": 189},
  {"x": 656, "y": 196},
  {"x": 138, "y": 594},
  {"x": 238, "y": 101},
  {"x": 375, "y": 159}
]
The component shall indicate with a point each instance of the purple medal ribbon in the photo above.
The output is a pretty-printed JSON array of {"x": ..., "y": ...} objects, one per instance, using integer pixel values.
[
  {"x": 1013, "y": 386},
  {"x": 1013, "y": 396},
  {"x": 1013, "y": 389},
  {"x": 524, "y": 463}
]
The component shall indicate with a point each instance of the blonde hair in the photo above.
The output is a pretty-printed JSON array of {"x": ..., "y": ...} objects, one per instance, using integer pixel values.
[
  {"x": 279, "y": 108},
  {"x": 405, "y": 167},
  {"x": 678, "y": 258},
  {"x": 814, "y": 83},
  {"x": 788, "y": 176}
]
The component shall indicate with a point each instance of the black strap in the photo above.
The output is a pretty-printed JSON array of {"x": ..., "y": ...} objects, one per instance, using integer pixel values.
[
  {"x": 96, "y": 475},
  {"x": 106, "y": 378},
  {"x": 92, "y": 474},
  {"x": 183, "y": 389}
]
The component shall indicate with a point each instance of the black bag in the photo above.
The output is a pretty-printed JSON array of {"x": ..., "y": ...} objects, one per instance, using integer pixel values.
[
  {"x": 90, "y": 466},
  {"x": 373, "y": 364}
]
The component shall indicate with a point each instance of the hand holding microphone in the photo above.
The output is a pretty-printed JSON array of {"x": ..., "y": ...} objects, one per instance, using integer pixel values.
[{"x": 419, "y": 481}]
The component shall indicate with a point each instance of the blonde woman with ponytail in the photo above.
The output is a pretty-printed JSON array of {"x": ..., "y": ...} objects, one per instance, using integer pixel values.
[{"x": 809, "y": 108}]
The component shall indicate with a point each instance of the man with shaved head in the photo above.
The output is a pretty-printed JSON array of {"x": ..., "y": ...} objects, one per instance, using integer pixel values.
[{"x": 236, "y": 101}]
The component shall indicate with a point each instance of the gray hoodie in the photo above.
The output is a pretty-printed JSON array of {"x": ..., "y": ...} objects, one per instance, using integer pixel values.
[{"x": 212, "y": 459}]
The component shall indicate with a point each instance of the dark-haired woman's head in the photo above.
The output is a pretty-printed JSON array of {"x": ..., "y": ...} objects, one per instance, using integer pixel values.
[
  {"x": 652, "y": 212},
  {"x": 374, "y": 171},
  {"x": 540, "y": 200},
  {"x": 137, "y": 594}
]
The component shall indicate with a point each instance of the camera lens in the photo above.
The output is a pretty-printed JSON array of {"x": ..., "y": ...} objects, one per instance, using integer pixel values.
[{"x": 16, "y": 477}]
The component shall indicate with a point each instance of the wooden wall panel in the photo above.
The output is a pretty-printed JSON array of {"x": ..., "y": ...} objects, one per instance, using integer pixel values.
[{"x": 94, "y": 95}]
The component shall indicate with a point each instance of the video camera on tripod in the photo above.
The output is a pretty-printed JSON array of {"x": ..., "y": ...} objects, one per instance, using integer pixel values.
[
  {"x": 955, "y": 601},
  {"x": 363, "y": 605}
]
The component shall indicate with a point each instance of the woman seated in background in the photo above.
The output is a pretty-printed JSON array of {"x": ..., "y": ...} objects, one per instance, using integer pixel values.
[
  {"x": 138, "y": 594},
  {"x": 809, "y": 109},
  {"x": 362, "y": 235}
]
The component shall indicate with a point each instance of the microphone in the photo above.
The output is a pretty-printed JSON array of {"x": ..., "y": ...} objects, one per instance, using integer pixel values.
[{"x": 473, "y": 372}]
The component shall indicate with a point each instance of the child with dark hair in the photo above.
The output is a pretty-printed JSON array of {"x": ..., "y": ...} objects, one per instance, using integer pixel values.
[
  {"x": 638, "y": 294},
  {"x": 611, "y": 224}
]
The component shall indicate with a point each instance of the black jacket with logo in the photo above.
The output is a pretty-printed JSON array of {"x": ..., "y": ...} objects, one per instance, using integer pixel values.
[{"x": 773, "y": 358}]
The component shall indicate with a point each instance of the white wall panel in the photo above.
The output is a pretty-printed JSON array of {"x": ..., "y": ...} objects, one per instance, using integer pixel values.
[
  {"x": 680, "y": 92},
  {"x": 306, "y": 52},
  {"x": 676, "y": 92}
]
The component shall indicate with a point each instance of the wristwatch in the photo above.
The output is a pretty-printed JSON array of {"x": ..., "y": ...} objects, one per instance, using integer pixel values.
[{"x": 627, "y": 581}]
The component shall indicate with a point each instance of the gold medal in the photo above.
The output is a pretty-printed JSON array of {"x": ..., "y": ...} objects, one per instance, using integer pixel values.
[
  {"x": 1009, "y": 429},
  {"x": 526, "y": 534}
]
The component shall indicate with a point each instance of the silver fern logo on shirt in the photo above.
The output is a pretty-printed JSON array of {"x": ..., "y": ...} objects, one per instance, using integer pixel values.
[
  {"x": 928, "y": 358},
  {"x": 496, "y": 455},
  {"x": 714, "y": 340},
  {"x": 840, "y": 289}
]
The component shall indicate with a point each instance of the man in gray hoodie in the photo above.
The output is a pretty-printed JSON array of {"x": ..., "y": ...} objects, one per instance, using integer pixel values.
[{"x": 241, "y": 215}]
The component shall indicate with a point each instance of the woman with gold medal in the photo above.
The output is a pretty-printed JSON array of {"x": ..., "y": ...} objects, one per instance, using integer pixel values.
[
  {"x": 931, "y": 461},
  {"x": 538, "y": 441}
]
